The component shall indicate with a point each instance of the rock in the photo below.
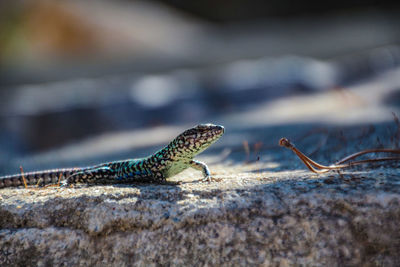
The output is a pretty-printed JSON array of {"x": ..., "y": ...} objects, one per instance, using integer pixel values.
[{"x": 280, "y": 218}]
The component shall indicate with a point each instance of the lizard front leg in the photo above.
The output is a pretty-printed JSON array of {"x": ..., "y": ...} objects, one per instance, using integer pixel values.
[{"x": 198, "y": 165}]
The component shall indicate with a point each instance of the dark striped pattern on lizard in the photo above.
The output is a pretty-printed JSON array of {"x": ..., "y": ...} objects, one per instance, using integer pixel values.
[{"x": 168, "y": 161}]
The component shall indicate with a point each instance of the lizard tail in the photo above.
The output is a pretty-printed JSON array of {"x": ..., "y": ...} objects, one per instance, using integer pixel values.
[{"x": 36, "y": 178}]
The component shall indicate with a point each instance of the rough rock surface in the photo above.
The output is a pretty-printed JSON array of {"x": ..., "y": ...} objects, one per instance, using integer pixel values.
[{"x": 251, "y": 217}]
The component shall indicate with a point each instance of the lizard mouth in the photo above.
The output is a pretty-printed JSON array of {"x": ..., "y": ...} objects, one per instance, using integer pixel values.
[
  {"x": 220, "y": 130},
  {"x": 217, "y": 132},
  {"x": 212, "y": 132}
]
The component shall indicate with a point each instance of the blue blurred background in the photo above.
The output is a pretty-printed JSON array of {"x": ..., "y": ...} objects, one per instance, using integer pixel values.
[{"x": 97, "y": 79}]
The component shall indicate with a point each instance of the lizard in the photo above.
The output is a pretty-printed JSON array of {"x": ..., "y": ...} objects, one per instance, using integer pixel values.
[{"x": 177, "y": 156}]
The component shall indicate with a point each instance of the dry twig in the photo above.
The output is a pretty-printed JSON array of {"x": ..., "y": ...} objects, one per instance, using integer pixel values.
[
  {"x": 23, "y": 177},
  {"x": 319, "y": 168}
]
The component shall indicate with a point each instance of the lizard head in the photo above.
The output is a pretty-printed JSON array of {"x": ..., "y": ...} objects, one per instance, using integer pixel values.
[{"x": 195, "y": 140}]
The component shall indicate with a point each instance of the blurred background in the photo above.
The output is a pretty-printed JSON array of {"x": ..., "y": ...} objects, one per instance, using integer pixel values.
[{"x": 83, "y": 81}]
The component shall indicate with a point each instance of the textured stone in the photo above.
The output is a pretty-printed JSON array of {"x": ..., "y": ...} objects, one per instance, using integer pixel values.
[{"x": 261, "y": 218}]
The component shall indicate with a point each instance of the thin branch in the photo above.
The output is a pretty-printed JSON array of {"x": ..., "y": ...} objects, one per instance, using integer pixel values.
[
  {"x": 23, "y": 176},
  {"x": 319, "y": 168}
]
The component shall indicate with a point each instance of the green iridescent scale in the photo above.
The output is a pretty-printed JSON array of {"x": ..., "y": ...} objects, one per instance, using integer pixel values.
[{"x": 172, "y": 159}]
